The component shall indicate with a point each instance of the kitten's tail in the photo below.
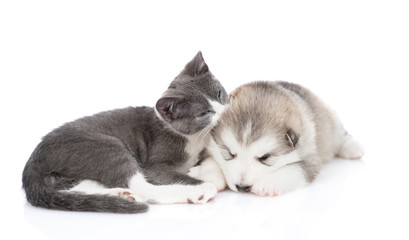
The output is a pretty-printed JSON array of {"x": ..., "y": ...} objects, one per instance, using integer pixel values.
[{"x": 41, "y": 195}]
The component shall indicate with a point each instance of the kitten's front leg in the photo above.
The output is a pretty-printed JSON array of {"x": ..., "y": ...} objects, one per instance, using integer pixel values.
[
  {"x": 209, "y": 171},
  {"x": 172, "y": 187},
  {"x": 285, "y": 179}
]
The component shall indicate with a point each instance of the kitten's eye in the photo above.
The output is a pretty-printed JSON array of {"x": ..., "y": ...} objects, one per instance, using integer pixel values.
[
  {"x": 219, "y": 95},
  {"x": 264, "y": 157},
  {"x": 204, "y": 113}
]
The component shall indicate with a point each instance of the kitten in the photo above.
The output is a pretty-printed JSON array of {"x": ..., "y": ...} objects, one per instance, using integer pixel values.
[{"x": 117, "y": 161}]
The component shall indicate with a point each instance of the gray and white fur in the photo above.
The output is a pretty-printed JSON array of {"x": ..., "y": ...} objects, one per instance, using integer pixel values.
[
  {"x": 273, "y": 138},
  {"x": 117, "y": 161}
]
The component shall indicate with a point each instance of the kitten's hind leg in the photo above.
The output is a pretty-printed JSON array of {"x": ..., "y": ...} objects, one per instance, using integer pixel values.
[
  {"x": 94, "y": 187},
  {"x": 172, "y": 193}
]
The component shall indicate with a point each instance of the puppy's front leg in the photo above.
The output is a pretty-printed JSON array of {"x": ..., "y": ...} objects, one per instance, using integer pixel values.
[
  {"x": 284, "y": 179},
  {"x": 209, "y": 171}
]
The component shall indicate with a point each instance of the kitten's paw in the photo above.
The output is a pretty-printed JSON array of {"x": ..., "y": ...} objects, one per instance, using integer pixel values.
[
  {"x": 194, "y": 172},
  {"x": 220, "y": 183},
  {"x": 210, "y": 172},
  {"x": 127, "y": 195},
  {"x": 351, "y": 149},
  {"x": 202, "y": 193},
  {"x": 266, "y": 189},
  {"x": 124, "y": 193},
  {"x": 211, "y": 177}
]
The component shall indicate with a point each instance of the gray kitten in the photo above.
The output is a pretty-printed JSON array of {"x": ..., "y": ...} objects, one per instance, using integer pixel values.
[{"x": 117, "y": 161}]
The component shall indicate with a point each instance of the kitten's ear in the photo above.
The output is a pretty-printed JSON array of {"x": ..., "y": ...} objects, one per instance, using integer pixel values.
[
  {"x": 292, "y": 138},
  {"x": 196, "y": 66},
  {"x": 168, "y": 107}
]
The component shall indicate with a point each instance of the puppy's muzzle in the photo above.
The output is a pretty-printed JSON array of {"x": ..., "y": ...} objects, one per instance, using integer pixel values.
[{"x": 243, "y": 188}]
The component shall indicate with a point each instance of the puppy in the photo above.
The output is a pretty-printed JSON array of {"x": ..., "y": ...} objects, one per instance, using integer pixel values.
[{"x": 273, "y": 138}]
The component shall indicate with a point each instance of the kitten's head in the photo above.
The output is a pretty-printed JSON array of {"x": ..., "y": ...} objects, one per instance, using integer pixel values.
[{"x": 194, "y": 99}]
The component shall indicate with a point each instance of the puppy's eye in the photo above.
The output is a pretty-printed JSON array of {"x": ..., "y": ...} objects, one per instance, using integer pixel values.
[
  {"x": 264, "y": 157},
  {"x": 229, "y": 156}
]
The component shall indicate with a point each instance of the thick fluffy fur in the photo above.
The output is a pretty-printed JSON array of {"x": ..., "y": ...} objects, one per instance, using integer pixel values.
[
  {"x": 117, "y": 161},
  {"x": 274, "y": 137}
]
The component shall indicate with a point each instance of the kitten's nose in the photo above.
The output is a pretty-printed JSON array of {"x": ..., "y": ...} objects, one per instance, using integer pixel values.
[{"x": 243, "y": 188}]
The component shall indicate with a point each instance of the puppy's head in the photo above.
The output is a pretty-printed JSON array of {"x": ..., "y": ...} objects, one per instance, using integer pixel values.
[{"x": 257, "y": 134}]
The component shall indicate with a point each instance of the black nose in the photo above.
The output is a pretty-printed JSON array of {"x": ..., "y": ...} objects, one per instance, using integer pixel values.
[{"x": 243, "y": 188}]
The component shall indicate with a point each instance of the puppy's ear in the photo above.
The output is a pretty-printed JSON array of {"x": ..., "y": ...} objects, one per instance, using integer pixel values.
[
  {"x": 169, "y": 107},
  {"x": 231, "y": 98},
  {"x": 196, "y": 66},
  {"x": 292, "y": 138}
]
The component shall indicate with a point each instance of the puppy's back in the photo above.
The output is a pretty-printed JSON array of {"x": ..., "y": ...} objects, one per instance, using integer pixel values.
[
  {"x": 325, "y": 121},
  {"x": 286, "y": 97}
]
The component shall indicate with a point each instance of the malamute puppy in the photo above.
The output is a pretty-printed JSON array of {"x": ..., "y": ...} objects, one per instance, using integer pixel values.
[{"x": 274, "y": 137}]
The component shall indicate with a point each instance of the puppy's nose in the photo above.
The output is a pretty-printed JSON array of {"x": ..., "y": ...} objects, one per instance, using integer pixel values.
[{"x": 243, "y": 188}]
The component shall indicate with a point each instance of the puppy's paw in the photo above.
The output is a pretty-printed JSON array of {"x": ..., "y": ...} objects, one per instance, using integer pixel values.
[
  {"x": 266, "y": 188},
  {"x": 202, "y": 193},
  {"x": 351, "y": 149},
  {"x": 285, "y": 179}
]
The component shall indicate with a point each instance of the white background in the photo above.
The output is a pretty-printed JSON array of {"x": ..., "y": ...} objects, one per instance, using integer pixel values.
[{"x": 61, "y": 60}]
